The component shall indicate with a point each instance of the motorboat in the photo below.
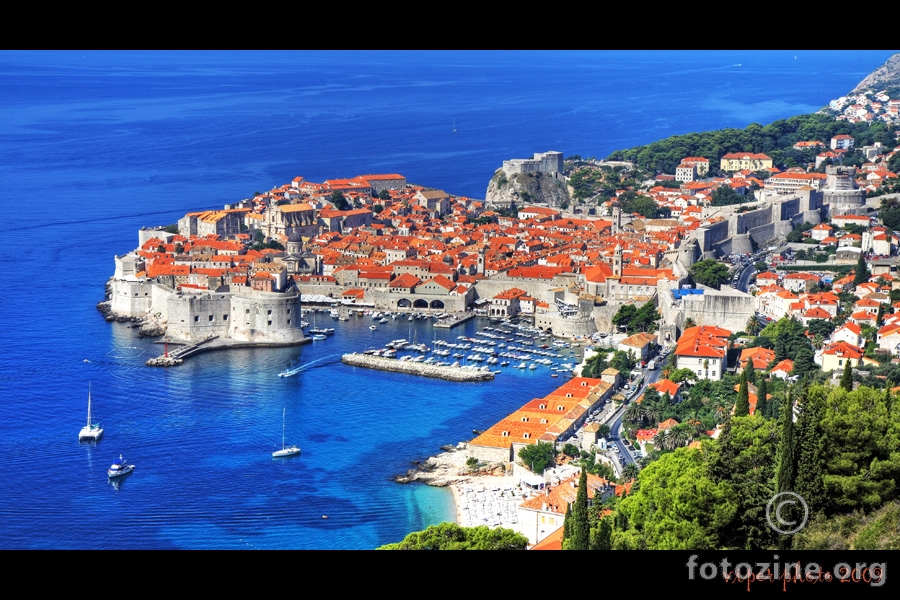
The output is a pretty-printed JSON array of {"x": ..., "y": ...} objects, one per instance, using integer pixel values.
[
  {"x": 285, "y": 450},
  {"x": 372, "y": 327},
  {"x": 92, "y": 431},
  {"x": 318, "y": 337},
  {"x": 119, "y": 468}
]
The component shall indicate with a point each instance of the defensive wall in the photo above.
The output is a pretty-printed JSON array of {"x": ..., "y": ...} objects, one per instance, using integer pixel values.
[
  {"x": 776, "y": 219},
  {"x": 727, "y": 308},
  {"x": 246, "y": 315}
]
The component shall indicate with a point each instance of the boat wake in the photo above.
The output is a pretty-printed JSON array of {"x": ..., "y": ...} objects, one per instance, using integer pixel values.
[{"x": 295, "y": 370}]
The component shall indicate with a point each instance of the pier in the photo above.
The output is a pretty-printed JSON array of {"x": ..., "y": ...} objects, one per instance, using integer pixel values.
[
  {"x": 415, "y": 368},
  {"x": 454, "y": 320}
]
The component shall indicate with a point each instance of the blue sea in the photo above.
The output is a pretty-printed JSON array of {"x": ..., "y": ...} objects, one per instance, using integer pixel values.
[{"x": 95, "y": 145}]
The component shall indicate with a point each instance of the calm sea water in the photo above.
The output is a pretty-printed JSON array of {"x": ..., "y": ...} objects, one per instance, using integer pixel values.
[{"x": 95, "y": 145}]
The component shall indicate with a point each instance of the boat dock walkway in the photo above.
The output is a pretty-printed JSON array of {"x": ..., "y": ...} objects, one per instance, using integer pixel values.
[
  {"x": 454, "y": 320},
  {"x": 416, "y": 368},
  {"x": 213, "y": 342}
]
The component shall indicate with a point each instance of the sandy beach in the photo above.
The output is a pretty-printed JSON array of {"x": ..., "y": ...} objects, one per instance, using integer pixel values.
[{"x": 489, "y": 497}]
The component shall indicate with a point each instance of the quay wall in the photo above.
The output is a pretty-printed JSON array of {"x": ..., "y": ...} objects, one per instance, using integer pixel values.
[{"x": 413, "y": 368}]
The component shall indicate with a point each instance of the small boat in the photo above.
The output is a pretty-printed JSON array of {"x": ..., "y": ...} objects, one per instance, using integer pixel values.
[
  {"x": 92, "y": 431},
  {"x": 119, "y": 468},
  {"x": 372, "y": 327},
  {"x": 318, "y": 337},
  {"x": 285, "y": 451}
]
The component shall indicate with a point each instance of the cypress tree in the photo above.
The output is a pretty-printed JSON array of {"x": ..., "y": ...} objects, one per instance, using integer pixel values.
[
  {"x": 784, "y": 478},
  {"x": 742, "y": 406},
  {"x": 862, "y": 271},
  {"x": 581, "y": 526},
  {"x": 847, "y": 377},
  {"x": 761, "y": 402},
  {"x": 808, "y": 451},
  {"x": 567, "y": 526},
  {"x": 749, "y": 372}
]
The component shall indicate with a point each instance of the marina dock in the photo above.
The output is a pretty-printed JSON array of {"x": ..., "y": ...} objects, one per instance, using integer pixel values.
[
  {"x": 415, "y": 368},
  {"x": 454, "y": 320}
]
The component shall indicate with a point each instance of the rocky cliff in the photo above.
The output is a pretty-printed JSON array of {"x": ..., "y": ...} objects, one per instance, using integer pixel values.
[
  {"x": 886, "y": 75},
  {"x": 526, "y": 188}
]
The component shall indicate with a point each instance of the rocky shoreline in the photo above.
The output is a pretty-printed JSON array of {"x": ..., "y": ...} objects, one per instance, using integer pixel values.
[
  {"x": 150, "y": 325},
  {"x": 448, "y": 468}
]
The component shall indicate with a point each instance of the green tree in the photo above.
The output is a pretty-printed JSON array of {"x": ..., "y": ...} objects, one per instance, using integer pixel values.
[
  {"x": 847, "y": 377},
  {"x": 684, "y": 374},
  {"x": 742, "y": 405},
  {"x": 384, "y": 195},
  {"x": 809, "y": 450},
  {"x": 676, "y": 507},
  {"x": 571, "y": 450},
  {"x": 725, "y": 195},
  {"x": 340, "y": 203},
  {"x": 754, "y": 325},
  {"x": 595, "y": 365},
  {"x": 581, "y": 526},
  {"x": 784, "y": 481},
  {"x": 538, "y": 456},
  {"x": 860, "y": 463},
  {"x": 601, "y": 536},
  {"x": 862, "y": 270},
  {"x": 709, "y": 272},
  {"x": 450, "y": 536},
  {"x": 762, "y": 390},
  {"x": 624, "y": 362},
  {"x": 743, "y": 458}
]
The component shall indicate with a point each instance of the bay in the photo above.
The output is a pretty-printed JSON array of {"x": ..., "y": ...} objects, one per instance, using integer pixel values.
[{"x": 95, "y": 145}]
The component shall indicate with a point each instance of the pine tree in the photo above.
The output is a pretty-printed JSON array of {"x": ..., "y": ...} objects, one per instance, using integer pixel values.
[
  {"x": 847, "y": 377},
  {"x": 601, "y": 536},
  {"x": 581, "y": 526},
  {"x": 742, "y": 406}
]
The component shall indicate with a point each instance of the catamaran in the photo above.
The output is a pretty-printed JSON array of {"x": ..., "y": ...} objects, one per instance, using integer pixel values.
[{"x": 92, "y": 431}]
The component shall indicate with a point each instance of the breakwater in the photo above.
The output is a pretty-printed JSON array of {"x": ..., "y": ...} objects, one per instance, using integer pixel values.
[{"x": 415, "y": 368}]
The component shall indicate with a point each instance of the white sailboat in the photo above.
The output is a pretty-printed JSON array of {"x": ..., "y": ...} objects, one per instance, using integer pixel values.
[
  {"x": 454, "y": 125},
  {"x": 285, "y": 451},
  {"x": 92, "y": 431}
]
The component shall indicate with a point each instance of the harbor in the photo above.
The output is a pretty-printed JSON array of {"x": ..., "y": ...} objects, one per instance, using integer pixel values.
[{"x": 449, "y": 373}]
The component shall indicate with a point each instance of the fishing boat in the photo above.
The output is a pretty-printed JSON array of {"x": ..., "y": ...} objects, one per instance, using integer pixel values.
[
  {"x": 119, "y": 468},
  {"x": 92, "y": 431},
  {"x": 285, "y": 450}
]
